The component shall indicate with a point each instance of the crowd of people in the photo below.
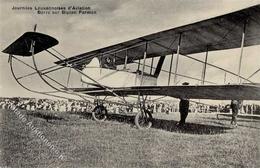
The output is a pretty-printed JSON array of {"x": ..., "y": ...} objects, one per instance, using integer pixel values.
[
  {"x": 45, "y": 104},
  {"x": 84, "y": 106}
]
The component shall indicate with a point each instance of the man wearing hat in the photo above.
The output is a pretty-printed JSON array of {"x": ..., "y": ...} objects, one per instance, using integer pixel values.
[{"x": 183, "y": 108}]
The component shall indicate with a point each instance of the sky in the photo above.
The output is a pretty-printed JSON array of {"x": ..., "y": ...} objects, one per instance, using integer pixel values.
[{"x": 116, "y": 21}]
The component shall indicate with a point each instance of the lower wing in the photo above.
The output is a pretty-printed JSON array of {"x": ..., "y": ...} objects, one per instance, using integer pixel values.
[{"x": 215, "y": 92}]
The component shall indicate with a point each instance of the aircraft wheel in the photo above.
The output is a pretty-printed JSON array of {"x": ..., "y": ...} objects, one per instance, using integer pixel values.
[
  {"x": 99, "y": 113},
  {"x": 143, "y": 120}
]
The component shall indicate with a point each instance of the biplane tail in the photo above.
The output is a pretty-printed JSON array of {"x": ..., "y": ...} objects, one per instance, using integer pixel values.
[{"x": 23, "y": 45}]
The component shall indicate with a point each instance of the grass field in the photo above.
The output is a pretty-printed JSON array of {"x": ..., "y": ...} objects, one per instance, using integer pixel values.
[{"x": 204, "y": 142}]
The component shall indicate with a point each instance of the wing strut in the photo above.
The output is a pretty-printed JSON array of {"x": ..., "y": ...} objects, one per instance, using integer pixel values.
[
  {"x": 241, "y": 53},
  {"x": 177, "y": 60},
  {"x": 126, "y": 58},
  {"x": 170, "y": 71},
  {"x": 204, "y": 67},
  {"x": 145, "y": 53},
  {"x": 159, "y": 66},
  {"x": 151, "y": 68},
  {"x": 212, "y": 65}
]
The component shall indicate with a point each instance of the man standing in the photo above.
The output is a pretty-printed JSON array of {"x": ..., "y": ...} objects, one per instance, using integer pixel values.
[
  {"x": 183, "y": 109},
  {"x": 235, "y": 106}
]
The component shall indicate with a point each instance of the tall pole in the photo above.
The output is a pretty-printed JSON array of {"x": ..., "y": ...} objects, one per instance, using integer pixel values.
[
  {"x": 144, "y": 59},
  {"x": 177, "y": 60},
  {"x": 241, "y": 53},
  {"x": 170, "y": 71},
  {"x": 204, "y": 68}
]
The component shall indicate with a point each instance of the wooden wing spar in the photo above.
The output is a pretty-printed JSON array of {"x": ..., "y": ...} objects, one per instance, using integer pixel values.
[
  {"x": 219, "y": 33},
  {"x": 215, "y": 92}
]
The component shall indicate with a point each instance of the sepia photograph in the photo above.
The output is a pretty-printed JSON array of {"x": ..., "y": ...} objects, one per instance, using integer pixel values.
[{"x": 129, "y": 83}]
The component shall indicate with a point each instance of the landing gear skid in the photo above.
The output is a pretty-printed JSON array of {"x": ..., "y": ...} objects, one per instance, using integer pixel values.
[
  {"x": 99, "y": 113},
  {"x": 143, "y": 119}
]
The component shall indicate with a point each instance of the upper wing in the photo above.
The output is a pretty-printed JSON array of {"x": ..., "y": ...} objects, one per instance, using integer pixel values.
[
  {"x": 22, "y": 45},
  {"x": 222, "y": 32},
  {"x": 215, "y": 92}
]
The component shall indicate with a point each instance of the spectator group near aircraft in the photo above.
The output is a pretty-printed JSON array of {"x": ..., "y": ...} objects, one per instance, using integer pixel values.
[{"x": 167, "y": 107}]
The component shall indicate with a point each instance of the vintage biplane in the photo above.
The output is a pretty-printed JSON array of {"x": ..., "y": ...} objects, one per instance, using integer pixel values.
[{"x": 102, "y": 79}]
